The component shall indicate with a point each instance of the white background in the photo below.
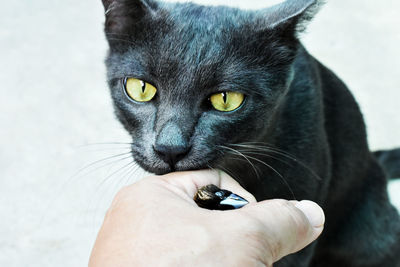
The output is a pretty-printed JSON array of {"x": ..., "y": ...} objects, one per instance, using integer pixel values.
[{"x": 54, "y": 101}]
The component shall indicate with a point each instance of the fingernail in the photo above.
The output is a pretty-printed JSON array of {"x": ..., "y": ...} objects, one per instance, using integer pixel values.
[{"x": 313, "y": 212}]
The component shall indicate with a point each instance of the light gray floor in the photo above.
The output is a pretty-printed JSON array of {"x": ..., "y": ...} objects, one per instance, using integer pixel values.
[{"x": 54, "y": 101}]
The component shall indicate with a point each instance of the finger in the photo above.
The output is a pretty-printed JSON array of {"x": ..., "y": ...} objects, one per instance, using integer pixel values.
[
  {"x": 192, "y": 181},
  {"x": 286, "y": 227}
]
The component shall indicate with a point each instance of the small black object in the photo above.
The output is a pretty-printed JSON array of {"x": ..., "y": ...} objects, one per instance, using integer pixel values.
[{"x": 213, "y": 198}]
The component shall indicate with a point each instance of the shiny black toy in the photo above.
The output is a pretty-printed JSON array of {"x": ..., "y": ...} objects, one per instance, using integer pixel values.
[{"x": 213, "y": 198}]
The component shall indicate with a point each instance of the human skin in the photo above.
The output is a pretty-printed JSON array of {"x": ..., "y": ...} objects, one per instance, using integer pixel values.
[{"x": 155, "y": 222}]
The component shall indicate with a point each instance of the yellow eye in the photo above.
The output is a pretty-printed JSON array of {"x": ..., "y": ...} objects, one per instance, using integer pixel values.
[
  {"x": 139, "y": 90},
  {"x": 227, "y": 101}
]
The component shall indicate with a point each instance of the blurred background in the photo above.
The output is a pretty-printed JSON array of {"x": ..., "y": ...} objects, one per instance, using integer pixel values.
[{"x": 62, "y": 156}]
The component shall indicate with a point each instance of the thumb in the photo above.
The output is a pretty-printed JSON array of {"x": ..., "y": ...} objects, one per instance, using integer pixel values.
[{"x": 286, "y": 226}]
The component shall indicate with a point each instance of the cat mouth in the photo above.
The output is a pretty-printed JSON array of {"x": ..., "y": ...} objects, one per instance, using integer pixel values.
[
  {"x": 161, "y": 170},
  {"x": 160, "y": 167}
]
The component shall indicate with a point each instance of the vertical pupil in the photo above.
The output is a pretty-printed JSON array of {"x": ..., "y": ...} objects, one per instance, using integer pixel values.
[
  {"x": 224, "y": 97},
  {"x": 143, "y": 84}
]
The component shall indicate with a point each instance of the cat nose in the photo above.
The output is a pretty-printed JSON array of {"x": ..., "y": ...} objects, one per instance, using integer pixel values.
[
  {"x": 171, "y": 154},
  {"x": 171, "y": 145}
]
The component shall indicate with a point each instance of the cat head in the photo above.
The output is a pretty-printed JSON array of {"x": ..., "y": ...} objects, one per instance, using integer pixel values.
[{"x": 188, "y": 80}]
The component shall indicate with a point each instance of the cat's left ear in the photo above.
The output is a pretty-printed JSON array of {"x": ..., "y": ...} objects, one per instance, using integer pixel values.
[
  {"x": 127, "y": 16},
  {"x": 290, "y": 16}
]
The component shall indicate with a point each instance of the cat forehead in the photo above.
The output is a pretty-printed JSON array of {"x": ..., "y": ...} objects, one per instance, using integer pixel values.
[
  {"x": 197, "y": 32},
  {"x": 206, "y": 18}
]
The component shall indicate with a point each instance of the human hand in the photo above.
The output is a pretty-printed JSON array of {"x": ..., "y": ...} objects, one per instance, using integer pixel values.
[{"x": 156, "y": 222}]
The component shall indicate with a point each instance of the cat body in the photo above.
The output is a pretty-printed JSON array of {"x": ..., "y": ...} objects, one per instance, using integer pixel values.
[
  {"x": 362, "y": 228},
  {"x": 297, "y": 134}
]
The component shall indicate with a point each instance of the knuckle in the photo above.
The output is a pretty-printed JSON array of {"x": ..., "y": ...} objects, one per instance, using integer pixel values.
[
  {"x": 302, "y": 229},
  {"x": 294, "y": 223},
  {"x": 258, "y": 241}
]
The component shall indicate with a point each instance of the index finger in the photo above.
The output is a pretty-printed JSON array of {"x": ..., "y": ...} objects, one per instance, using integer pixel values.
[{"x": 191, "y": 181}]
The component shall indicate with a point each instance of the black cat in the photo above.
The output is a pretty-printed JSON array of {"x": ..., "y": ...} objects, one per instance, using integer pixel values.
[{"x": 217, "y": 87}]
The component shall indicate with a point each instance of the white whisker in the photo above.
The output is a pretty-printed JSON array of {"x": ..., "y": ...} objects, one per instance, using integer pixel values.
[{"x": 241, "y": 154}]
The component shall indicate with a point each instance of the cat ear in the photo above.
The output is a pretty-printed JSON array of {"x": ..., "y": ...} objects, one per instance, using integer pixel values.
[
  {"x": 125, "y": 16},
  {"x": 291, "y": 15}
]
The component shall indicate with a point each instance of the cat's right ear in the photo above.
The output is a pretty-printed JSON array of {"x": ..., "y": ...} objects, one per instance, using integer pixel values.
[
  {"x": 291, "y": 15},
  {"x": 125, "y": 17}
]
